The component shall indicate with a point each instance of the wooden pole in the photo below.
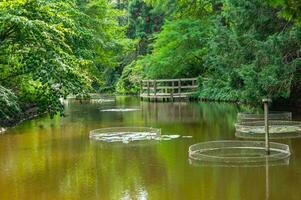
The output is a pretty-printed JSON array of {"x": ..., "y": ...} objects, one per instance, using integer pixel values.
[
  {"x": 179, "y": 87},
  {"x": 147, "y": 87},
  {"x": 155, "y": 88},
  {"x": 267, "y": 187},
  {"x": 141, "y": 88},
  {"x": 172, "y": 89},
  {"x": 266, "y": 124}
]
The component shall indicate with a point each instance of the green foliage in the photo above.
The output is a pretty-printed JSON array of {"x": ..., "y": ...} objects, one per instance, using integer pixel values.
[
  {"x": 44, "y": 46},
  {"x": 142, "y": 22},
  {"x": 9, "y": 107},
  {"x": 290, "y": 9},
  {"x": 129, "y": 82},
  {"x": 241, "y": 50},
  {"x": 184, "y": 8},
  {"x": 244, "y": 48},
  {"x": 113, "y": 48},
  {"x": 247, "y": 59},
  {"x": 178, "y": 50},
  {"x": 50, "y": 49}
]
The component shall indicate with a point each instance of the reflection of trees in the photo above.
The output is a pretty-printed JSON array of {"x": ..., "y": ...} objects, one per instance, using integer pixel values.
[
  {"x": 45, "y": 163},
  {"x": 127, "y": 170},
  {"x": 170, "y": 112},
  {"x": 54, "y": 159},
  {"x": 203, "y": 120},
  {"x": 189, "y": 112}
]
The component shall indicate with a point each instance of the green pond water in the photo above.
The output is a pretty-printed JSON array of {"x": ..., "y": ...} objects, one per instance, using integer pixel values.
[{"x": 54, "y": 159}]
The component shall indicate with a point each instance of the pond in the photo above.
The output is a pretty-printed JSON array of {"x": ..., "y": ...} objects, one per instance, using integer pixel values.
[{"x": 55, "y": 159}]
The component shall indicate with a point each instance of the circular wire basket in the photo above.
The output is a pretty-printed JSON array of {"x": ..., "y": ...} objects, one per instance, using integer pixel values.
[
  {"x": 125, "y": 134},
  {"x": 198, "y": 163},
  {"x": 238, "y": 152},
  {"x": 274, "y": 115},
  {"x": 277, "y": 129}
]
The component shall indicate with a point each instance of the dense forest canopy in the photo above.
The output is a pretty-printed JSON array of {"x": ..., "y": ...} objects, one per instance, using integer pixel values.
[
  {"x": 49, "y": 49},
  {"x": 247, "y": 49}
]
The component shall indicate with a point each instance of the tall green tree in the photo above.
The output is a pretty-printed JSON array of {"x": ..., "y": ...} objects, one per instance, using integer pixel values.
[
  {"x": 143, "y": 22},
  {"x": 246, "y": 49},
  {"x": 49, "y": 49},
  {"x": 249, "y": 54},
  {"x": 178, "y": 50}
]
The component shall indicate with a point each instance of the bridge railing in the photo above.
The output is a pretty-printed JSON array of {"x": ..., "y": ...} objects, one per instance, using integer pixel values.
[{"x": 168, "y": 88}]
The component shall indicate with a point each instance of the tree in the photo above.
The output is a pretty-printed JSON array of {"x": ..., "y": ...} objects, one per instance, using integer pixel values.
[
  {"x": 178, "y": 50},
  {"x": 290, "y": 9},
  {"x": 248, "y": 54},
  {"x": 50, "y": 49},
  {"x": 244, "y": 48}
]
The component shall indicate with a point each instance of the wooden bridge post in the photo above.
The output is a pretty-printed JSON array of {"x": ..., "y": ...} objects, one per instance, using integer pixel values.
[
  {"x": 155, "y": 90},
  {"x": 179, "y": 87},
  {"x": 155, "y": 87},
  {"x": 141, "y": 89},
  {"x": 148, "y": 88},
  {"x": 172, "y": 90},
  {"x": 164, "y": 90}
]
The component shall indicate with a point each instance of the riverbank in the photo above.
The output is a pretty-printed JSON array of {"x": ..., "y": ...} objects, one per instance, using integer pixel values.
[{"x": 30, "y": 113}]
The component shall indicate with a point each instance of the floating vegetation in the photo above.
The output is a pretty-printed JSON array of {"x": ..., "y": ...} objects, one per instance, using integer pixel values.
[
  {"x": 102, "y": 100},
  {"x": 274, "y": 115},
  {"x": 92, "y": 98},
  {"x": 277, "y": 129},
  {"x": 168, "y": 137},
  {"x": 130, "y": 109},
  {"x": 129, "y": 134},
  {"x": 187, "y": 136}
]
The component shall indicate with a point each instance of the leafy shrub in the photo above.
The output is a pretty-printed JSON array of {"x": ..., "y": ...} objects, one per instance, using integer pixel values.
[
  {"x": 9, "y": 107},
  {"x": 129, "y": 82}
]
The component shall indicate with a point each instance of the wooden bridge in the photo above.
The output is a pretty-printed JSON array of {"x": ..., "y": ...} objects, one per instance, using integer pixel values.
[{"x": 167, "y": 89}]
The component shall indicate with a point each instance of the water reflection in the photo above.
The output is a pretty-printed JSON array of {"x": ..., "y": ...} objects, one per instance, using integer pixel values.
[
  {"x": 54, "y": 158},
  {"x": 187, "y": 112}
]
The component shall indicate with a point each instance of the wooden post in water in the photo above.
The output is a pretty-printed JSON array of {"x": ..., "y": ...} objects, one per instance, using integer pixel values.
[
  {"x": 266, "y": 124},
  {"x": 267, "y": 187}
]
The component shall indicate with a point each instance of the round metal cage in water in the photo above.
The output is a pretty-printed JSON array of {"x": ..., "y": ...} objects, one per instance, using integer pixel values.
[
  {"x": 274, "y": 115},
  {"x": 277, "y": 129},
  {"x": 238, "y": 152},
  {"x": 125, "y": 134},
  {"x": 199, "y": 163}
]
